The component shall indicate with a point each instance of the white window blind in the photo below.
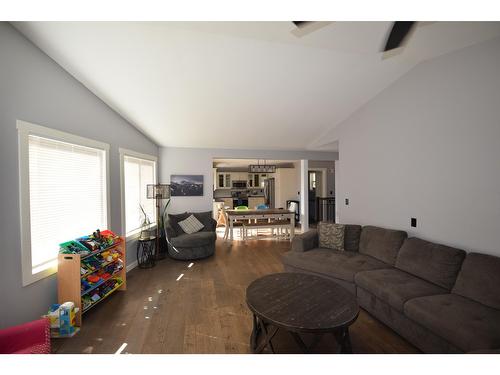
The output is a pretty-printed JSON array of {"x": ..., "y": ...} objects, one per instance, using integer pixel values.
[
  {"x": 138, "y": 173},
  {"x": 67, "y": 192}
]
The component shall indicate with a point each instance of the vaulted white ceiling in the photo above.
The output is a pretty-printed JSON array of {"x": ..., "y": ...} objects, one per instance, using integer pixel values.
[{"x": 251, "y": 85}]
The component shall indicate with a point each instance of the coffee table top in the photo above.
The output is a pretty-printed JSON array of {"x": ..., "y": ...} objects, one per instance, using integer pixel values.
[{"x": 301, "y": 302}]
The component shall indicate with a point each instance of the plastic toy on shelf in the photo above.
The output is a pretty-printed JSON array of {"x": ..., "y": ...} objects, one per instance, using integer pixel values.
[
  {"x": 101, "y": 292},
  {"x": 99, "y": 240}
]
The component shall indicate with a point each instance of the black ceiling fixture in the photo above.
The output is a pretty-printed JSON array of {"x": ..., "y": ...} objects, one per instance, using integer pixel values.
[
  {"x": 399, "y": 32},
  {"x": 300, "y": 24}
]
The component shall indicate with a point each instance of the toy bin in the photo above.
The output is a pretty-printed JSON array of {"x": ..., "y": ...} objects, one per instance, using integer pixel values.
[
  {"x": 107, "y": 233},
  {"x": 66, "y": 245},
  {"x": 111, "y": 237}
]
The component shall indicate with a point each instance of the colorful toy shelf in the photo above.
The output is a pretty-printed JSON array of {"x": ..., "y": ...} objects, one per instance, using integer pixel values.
[
  {"x": 90, "y": 269},
  {"x": 117, "y": 286}
]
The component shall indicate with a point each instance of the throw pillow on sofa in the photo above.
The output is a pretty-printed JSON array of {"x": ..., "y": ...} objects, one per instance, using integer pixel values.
[
  {"x": 331, "y": 236},
  {"x": 191, "y": 225}
]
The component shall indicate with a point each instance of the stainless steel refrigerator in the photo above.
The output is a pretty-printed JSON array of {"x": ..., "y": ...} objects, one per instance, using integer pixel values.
[{"x": 269, "y": 192}]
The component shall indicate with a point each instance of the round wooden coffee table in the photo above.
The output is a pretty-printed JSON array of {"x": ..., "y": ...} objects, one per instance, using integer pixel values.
[{"x": 300, "y": 303}]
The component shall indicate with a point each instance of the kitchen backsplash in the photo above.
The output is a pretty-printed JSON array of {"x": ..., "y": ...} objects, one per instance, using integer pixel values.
[{"x": 226, "y": 193}]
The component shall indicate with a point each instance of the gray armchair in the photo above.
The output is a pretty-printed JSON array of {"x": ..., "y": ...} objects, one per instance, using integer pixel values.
[{"x": 183, "y": 246}]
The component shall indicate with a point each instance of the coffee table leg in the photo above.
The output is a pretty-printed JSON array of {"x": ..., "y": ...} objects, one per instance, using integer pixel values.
[
  {"x": 269, "y": 342},
  {"x": 269, "y": 332},
  {"x": 344, "y": 340},
  {"x": 347, "y": 342},
  {"x": 307, "y": 349},
  {"x": 255, "y": 334},
  {"x": 300, "y": 342}
]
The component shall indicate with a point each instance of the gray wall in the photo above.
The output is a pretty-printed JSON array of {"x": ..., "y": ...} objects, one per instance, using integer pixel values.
[
  {"x": 199, "y": 161},
  {"x": 35, "y": 89},
  {"x": 429, "y": 147}
]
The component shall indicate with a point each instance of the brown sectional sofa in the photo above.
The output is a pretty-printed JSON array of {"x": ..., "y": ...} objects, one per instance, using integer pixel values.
[{"x": 439, "y": 298}]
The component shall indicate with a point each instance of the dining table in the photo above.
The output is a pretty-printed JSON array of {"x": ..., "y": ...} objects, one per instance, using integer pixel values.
[{"x": 265, "y": 216}]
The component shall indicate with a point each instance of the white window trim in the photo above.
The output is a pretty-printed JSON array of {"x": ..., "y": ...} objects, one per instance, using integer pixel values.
[
  {"x": 24, "y": 130},
  {"x": 125, "y": 152}
]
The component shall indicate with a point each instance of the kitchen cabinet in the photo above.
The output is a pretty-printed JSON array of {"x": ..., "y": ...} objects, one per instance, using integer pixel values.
[
  {"x": 256, "y": 179},
  {"x": 224, "y": 180},
  {"x": 238, "y": 176}
]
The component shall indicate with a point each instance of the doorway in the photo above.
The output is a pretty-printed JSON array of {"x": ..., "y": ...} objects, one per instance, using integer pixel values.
[{"x": 314, "y": 183}]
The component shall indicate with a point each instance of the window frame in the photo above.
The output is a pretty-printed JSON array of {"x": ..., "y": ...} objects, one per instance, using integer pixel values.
[
  {"x": 138, "y": 155},
  {"x": 25, "y": 129}
]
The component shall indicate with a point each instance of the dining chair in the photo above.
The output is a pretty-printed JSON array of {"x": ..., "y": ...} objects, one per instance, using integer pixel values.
[
  {"x": 283, "y": 224},
  {"x": 236, "y": 224}
]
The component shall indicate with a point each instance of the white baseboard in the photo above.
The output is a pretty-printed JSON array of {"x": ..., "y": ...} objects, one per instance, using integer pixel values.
[{"x": 131, "y": 266}]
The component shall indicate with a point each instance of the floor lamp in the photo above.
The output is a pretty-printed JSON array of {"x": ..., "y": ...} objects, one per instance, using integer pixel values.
[{"x": 158, "y": 192}]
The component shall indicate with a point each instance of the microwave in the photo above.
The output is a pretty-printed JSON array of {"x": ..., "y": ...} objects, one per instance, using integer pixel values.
[{"x": 239, "y": 184}]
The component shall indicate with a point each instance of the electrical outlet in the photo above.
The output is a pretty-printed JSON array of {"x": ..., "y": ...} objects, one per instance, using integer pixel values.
[
  {"x": 347, "y": 201},
  {"x": 413, "y": 222}
]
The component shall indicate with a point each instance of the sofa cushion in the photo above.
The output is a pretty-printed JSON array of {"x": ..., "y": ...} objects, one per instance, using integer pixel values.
[
  {"x": 380, "y": 243},
  {"x": 352, "y": 233},
  {"x": 331, "y": 236},
  {"x": 194, "y": 239},
  {"x": 339, "y": 264},
  {"x": 173, "y": 220},
  {"x": 191, "y": 225},
  {"x": 479, "y": 279},
  {"x": 436, "y": 263},
  {"x": 394, "y": 286},
  {"x": 464, "y": 323},
  {"x": 206, "y": 219}
]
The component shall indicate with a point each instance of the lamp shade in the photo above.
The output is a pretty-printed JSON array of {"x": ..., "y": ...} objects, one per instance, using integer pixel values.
[{"x": 158, "y": 191}]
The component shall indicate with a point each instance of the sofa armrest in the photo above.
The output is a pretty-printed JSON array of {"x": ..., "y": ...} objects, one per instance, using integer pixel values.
[
  {"x": 170, "y": 232},
  {"x": 305, "y": 241},
  {"x": 213, "y": 225},
  {"x": 28, "y": 338}
]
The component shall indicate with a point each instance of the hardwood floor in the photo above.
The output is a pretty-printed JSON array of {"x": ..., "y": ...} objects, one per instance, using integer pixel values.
[{"x": 204, "y": 311}]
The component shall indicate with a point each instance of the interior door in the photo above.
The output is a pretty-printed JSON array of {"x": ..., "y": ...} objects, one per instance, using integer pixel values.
[{"x": 312, "y": 191}]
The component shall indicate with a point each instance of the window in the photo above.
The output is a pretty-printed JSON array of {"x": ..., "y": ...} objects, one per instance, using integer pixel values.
[
  {"x": 138, "y": 170},
  {"x": 64, "y": 194},
  {"x": 312, "y": 180}
]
